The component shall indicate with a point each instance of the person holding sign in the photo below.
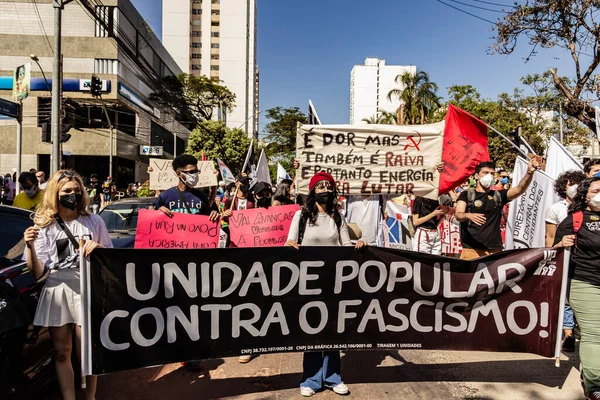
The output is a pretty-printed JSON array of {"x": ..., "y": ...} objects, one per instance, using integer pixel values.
[
  {"x": 320, "y": 223},
  {"x": 184, "y": 198},
  {"x": 479, "y": 211},
  {"x": 242, "y": 198},
  {"x": 52, "y": 245}
]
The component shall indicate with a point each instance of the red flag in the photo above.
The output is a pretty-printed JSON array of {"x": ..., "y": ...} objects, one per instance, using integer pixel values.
[
  {"x": 203, "y": 156},
  {"x": 465, "y": 146}
]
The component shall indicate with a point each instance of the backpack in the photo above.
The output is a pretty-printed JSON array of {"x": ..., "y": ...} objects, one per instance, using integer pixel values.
[{"x": 471, "y": 194}]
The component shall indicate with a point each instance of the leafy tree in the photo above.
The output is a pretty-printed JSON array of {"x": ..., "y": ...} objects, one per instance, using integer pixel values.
[
  {"x": 194, "y": 97},
  {"x": 219, "y": 141},
  {"x": 280, "y": 139},
  {"x": 418, "y": 95},
  {"x": 567, "y": 24},
  {"x": 382, "y": 117}
]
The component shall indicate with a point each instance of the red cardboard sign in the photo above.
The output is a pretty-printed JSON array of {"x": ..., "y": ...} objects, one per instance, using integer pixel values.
[
  {"x": 184, "y": 231},
  {"x": 261, "y": 227}
]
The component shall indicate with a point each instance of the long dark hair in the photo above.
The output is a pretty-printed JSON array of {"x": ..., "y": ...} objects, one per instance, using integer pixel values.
[
  {"x": 282, "y": 194},
  {"x": 310, "y": 210},
  {"x": 579, "y": 201}
]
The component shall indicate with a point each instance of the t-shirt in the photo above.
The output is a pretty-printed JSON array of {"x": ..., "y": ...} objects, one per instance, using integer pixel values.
[
  {"x": 27, "y": 203},
  {"x": 55, "y": 250},
  {"x": 424, "y": 207},
  {"x": 557, "y": 212},
  {"x": 10, "y": 193},
  {"x": 488, "y": 235},
  {"x": 323, "y": 232},
  {"x": 196, "y": 200},
  {"x": 240, "y": 204},
  {"x": 94, "y": 193},
  {"x": 585, "y": 256},
  {"x": 366, "y": 213}
]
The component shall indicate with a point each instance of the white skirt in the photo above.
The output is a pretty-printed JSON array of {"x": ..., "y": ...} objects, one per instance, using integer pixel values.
[{"x": 60, "y": 299}]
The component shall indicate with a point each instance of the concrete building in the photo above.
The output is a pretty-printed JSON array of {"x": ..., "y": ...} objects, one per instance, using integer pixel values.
[
  {"x": 131, "y": 65},
  {"x": 217, "y": 39},
  {"x": 369, "y": 87}
]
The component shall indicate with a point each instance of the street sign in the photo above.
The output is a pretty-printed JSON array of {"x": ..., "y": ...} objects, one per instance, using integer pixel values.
[
  {"x": 151, "y": 150},
  {"x": 9, "y": 108}
]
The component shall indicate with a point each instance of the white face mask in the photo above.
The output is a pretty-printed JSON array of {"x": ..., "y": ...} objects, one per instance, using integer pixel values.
[
  {"x": 571, "y": 191},
  {"x": 595, "y": 201},
  {"x": 30, "y": 192},
  {"x": 190, "y": 180},
  {"x": 486, "y": 181}
]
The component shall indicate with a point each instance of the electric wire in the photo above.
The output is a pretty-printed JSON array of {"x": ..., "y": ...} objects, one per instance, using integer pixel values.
[
  {"x": 481, "y": 8},
  {"x": 466, "y": 12},
  {"x": 37, "y": 12}
]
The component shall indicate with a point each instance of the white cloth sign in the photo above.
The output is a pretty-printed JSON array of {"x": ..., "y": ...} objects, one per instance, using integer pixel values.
[
  {"x": 526, "y": 226},
  {"x": 163, "y": 177},
  {"x": 559, "y": 160},
  {"x": 396, "y": 233},
  {"x": 372, "y": 159},
  {"x": 281, "y": 173}
]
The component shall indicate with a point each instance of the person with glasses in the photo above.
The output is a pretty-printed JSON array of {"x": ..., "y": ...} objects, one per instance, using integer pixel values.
[
  {"x": 52, "y": 245},
  {"x": 32, "y": 193},
  {"x": 319, "y": 223}
]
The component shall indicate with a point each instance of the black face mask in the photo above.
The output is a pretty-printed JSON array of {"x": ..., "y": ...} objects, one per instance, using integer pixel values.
[
  {"x": 70, "y": 201},
  {"x": 263, "y": 202},
  {"x": 324, "y": 198}
]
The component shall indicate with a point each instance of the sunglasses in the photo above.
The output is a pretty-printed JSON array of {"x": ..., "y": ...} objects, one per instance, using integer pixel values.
[
  {"x": 66, "y": 174},
  {"x": 324, "y": 186},
  {"x": 193, "y": 171}
]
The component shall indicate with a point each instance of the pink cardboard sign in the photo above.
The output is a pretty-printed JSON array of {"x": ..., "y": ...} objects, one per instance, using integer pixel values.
[
  {"x": 261, "y": 227},
  {"x": 184, "y": 231}
]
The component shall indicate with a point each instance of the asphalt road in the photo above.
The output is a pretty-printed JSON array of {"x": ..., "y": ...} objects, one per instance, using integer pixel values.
[{"x": 414, "y": 374}]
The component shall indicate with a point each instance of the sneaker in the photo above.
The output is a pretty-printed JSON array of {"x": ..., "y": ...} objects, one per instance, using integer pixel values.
[
  {"x": 595, "y": 395},
  {"x": 569, "y": 344},
  {"x": 306, "y": 391},
  {"x": 245, "y": 359},
  {"x": 341, "y": 388}
]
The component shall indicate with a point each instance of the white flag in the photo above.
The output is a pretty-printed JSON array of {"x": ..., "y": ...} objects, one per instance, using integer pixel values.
[
  {"x": 559, "y": 160},
  {"x": 526, "y": 226},
  {"x": 281, "y": 173},
  {"x": 262, "y": 169},
  {"x": 226, "y": 174}
]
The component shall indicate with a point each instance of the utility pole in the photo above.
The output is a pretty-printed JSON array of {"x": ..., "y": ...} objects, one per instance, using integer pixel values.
[
  {"x": 19, "y": 137},
  {"x": 110, "y": 145},
  {"x": 55, "y": 155}
]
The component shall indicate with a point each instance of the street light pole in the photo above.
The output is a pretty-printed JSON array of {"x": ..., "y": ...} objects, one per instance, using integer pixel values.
[
  {"x": 37, "y": 61},
  {"x": 56, "y": 88}
]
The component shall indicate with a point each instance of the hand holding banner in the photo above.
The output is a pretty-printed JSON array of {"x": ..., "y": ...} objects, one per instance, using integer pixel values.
[
  {"x": 183, "y": 231},
  {"x": 261, "y": 227}
]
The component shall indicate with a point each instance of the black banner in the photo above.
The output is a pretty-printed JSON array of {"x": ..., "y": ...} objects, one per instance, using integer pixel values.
[{"x": 152, "y": 307}]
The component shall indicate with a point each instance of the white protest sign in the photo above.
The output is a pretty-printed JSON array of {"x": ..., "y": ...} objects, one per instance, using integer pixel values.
[
  {"x": 396, "y": 232},
  {"x": 372, "y": 159},
  {"x": 163, "y": 177}
]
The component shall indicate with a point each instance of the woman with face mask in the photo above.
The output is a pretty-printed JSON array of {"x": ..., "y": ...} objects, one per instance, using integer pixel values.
[
  {"x": 51, "y": 245},
  {"x": 581, "y": 231},
  {"x": 263, "y": 194},
  {"x": 319, "y": 223}
]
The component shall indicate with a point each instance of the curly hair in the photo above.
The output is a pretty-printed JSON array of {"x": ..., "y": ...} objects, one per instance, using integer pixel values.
[
  {"x": 589, "y": 164},
  {"x": 580, "y": 202},
  {"x": 567, "y": 178},
  {"x": 310, "y": 210}
]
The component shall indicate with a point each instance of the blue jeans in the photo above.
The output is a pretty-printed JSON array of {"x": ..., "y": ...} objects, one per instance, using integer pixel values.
[
  {"x": 321, "y": 369},
  {"x": 569, "y": 320}
]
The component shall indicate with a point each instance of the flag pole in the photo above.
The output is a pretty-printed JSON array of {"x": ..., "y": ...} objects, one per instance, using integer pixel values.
[
  {"x": 561, "y": 311},
  {"x": 509, "y": 141},
  {"x": 83, "y": 289}
]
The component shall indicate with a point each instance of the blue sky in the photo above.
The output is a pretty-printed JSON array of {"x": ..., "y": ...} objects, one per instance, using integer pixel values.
[{"x": 306, "y": 49}]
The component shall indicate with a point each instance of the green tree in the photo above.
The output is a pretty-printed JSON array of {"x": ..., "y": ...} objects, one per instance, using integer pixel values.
[
  {"x": 280, "y": 139},
  {"x": 418, "y": 95},
  {"x": 219, "y": 141},
  {"x": 567, "y": 24},
  {"x": 195, "y": 97},
  {"x": 382, "y": 117}
]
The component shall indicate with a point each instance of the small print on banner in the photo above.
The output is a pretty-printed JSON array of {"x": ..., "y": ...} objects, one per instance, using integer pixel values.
[
  {"x": 261, "y": 227},
  {"x": 163, "y": 177},
  {"x": 183, "y": 231},
  {"x": 372, "y": 159}
]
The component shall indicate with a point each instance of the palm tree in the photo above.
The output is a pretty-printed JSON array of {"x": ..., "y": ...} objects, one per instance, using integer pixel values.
[
  {"x": 418, "y": 96},
  {"x": 382, "y": 117}
]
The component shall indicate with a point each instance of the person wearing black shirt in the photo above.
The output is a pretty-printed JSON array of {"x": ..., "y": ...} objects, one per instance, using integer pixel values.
[
  {"x": 426, "y": 216},
  {"x": 584, "y": 274},
  {"x": 479, "y": 211},
  {"x": 94, "y": 192}
]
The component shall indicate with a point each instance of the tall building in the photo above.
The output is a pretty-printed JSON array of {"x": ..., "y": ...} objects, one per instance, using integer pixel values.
[
  {"x": 131, "y": 63},
  {"x": 369, "y": 87},
  {"x": 217, "y": 39}
]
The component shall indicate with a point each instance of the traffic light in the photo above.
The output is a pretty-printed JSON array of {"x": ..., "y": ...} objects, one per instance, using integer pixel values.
[
  {"x": 96, "y": 86},
  {"x": 64, "y": 136},
  {"x": 46, "y": 133}
]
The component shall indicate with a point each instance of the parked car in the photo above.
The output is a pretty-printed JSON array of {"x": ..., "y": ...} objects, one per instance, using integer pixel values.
[
  {"x": 121, "y": 218},
  {"x": 25, "y": 351}
]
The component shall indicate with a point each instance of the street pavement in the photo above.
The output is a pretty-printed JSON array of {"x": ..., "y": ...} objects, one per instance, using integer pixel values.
[{"x": 414, "y": 374}]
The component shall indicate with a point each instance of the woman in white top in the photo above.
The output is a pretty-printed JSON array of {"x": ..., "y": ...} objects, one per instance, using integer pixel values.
[
  {"x": 319, "y": 223},
  {"x": 52, "y": 245}
]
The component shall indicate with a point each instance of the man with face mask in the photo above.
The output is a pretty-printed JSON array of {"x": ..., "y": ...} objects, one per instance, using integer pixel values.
[
  {"x": 263, "y": 194},
  {"x": 243, "y": 199},
  {"x": 592, "y": 168},
  {"x": 185, "y": 198},
  {"x": 479, "y": 211},
  {"x": 32, "y": 194}
]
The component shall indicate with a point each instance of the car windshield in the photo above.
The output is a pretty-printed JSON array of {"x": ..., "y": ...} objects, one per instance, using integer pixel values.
[
  {"x": 123, "y": 215},
  {"x": 11, "y": 231}
]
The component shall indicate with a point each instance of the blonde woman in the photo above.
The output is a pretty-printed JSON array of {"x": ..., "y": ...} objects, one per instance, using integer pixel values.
[{"x": 52, "y": 244}]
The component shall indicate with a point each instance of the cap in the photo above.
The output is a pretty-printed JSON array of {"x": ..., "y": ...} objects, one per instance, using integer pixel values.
[
  {"x": 320, "y": 176},
  {"x": 243, "y": 177},
  {"x": 260, "y": 186}
]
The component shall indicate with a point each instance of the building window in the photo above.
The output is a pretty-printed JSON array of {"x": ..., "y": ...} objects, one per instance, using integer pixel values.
[
  {"x": 104, "y": 66},
  {"x": 196, "y": 11},
  {"x": 215, "y": 23},
  {"x": 105, "y": 17},
  {"x": 196, "y": 67},
  {"x": 196, "y": 55},
  {"x": 196, "y": 45},
  {"x": 196, "y": 33},
  {"x": 215, "y": 12},
  {"x": 214, "y": 34},
  {"x": 214, "y": 67},
  {"x": 214, "y": 46},
  {"x": 214, "y": 57}
]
